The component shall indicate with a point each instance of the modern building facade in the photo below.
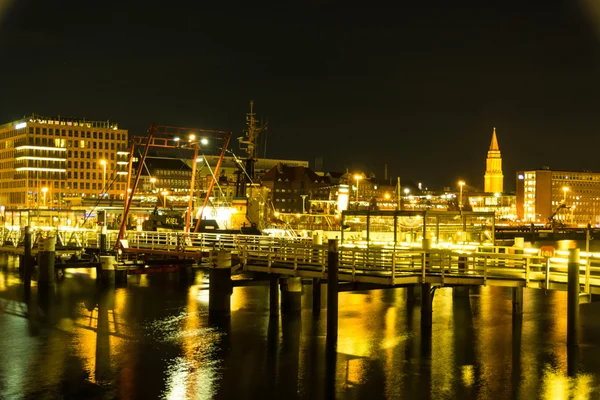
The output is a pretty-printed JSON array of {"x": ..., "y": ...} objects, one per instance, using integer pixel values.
[
  {"x": 45, "y": 161},
  {"x": 493, "y": 179},
  {"x": 569, "y": 197}
]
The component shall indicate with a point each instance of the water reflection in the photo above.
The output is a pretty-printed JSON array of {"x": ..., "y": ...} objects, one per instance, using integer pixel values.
[{"x": 154, "y": 339}]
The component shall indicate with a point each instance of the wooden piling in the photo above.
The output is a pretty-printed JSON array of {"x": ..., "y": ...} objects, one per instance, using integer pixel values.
[
  {"x": 573, "y": 298},
  {"x": 332, "y": 292}
]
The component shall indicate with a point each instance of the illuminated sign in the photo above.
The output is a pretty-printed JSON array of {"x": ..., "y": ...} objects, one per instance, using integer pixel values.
[
  {"x": 21, "y": 125},
  {"x": 342, "y": 202}
]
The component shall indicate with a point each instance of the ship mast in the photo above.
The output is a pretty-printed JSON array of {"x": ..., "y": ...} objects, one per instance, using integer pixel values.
[{"x": 249, "y": 144}]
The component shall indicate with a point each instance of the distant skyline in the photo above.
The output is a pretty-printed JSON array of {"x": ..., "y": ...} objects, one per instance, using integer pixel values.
[{"x": 418, "y": 87}]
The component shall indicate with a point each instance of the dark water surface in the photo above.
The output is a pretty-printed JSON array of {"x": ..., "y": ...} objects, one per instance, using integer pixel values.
[{"x": 154, "y": 340}]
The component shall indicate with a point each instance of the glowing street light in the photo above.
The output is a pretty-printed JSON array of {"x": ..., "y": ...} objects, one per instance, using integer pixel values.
[
  {"x": 44, "y": 191},
  {"x": 165, "y": 193},
  {"x": 460, "y": 201},
  {"x": 565, "y": 190},
  {"x": 152, "y": 180},
  {"x": 204, "y": 141},
  {"x": 192, "y": 137},
  {"x": 358, "y": 178},
  {"x": 103, "y": 163}
]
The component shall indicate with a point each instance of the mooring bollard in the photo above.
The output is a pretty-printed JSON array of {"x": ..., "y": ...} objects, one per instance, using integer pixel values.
[
  {"x": 46, "y": 258},
  {"x": 332, "y": 292},
  {"x": 573, "y": 298},
  {"x": 291, "y": 295}
]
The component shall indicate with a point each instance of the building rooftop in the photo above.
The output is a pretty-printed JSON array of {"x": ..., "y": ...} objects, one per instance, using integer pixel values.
[{"x": 64, "y": 121}]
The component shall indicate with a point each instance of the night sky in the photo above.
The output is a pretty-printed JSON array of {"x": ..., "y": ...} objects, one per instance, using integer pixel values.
[{"x": 417, "y": 86}]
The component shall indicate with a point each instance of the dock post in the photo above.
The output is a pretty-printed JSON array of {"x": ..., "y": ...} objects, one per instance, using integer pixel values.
[
  {"x": 274, "y": 296},
  {"x": 46, "y": 258},
  {"x": 107, "y": 270},
  {"x": 120, "y": 276},
  {"x": 461, "y": 291},
  {"x": 186, "y": 273},
  {"x": 413, "y": 293},
  {"x": 219, "y": 292},
  {"x": 517, "y": 300},
  {"x": 332, "y": 293},
  {"x": 316, "y": 295},
  {"x": 291, "y": 295},
  {"x": 426, "y": 306},
  {"x": 573, "y": 298},
  {"x": 27, "y": 260},
  {"x": 103, "y": 240}
]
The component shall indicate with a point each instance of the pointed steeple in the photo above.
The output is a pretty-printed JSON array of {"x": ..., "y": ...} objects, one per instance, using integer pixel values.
[{"x": 494, "y": 144}]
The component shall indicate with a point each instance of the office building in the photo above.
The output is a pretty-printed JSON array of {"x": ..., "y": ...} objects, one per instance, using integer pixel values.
[
  {"x": 50, "y": 162},
  {"x": 569, "y": 197}
]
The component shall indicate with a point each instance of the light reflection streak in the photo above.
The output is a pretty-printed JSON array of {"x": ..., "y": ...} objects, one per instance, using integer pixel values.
[{"x": 556, "y": 385}]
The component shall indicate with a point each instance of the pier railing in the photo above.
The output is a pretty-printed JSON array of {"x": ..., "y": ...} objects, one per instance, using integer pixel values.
[{"x": 374, "y": 264}]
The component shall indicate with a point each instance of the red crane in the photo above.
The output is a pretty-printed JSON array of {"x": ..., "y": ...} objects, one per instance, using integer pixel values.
[{"x": 172, "y": 137}]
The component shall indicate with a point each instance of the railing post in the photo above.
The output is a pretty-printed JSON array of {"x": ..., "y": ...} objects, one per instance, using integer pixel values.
[
  {"x": 332, "y": 292},
  {"x": 573, "y": 298}
]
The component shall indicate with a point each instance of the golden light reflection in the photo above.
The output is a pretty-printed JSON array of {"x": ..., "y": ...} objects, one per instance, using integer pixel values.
[
  {"x": 556, "y": 385},
  {"x": 353, "y": 333},
  {"x": 442, "y": 348},
  {"x": 468, "y": 375},
  {"x": 238, "y": 299}
]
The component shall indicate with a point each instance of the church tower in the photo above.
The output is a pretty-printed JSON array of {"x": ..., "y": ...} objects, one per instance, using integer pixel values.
[{"x": 494, "y": 180}]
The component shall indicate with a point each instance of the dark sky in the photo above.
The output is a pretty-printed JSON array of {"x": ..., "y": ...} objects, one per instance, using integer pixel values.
[{"x": 417, "y": 86}]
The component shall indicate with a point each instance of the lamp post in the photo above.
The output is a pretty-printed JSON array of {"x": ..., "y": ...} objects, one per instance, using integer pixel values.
[
  {"x": 304, "y": 196},
  {"x": 103, "y": 163},
  {"x": 165, "y": 193},
  {"x": 44, "y": 190},
  {"x": 565, "y": 190},
  {"x": 357, "y": 177},
  {"x": 460, "y": 200}
]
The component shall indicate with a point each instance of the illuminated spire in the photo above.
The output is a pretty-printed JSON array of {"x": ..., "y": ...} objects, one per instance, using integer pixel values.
[
  {"x": 494, "y": 179},
  {"x": 494, "y": 145}
]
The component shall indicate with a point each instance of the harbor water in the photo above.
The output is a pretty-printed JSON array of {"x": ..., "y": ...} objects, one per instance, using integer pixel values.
[{"x": 153, "y": 339}]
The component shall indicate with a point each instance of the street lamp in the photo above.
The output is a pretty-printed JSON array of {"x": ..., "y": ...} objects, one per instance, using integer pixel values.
[
  {"x": 44, "y": 190},
  {"x": 565, "y": 190},
  {"x": 103, "y": 163},
  {"x": 165, "y": 193},
  {"x": 460, "y": 202},
  {"x": 358, "y": 178},
  {"x": 304, "y": 196}
]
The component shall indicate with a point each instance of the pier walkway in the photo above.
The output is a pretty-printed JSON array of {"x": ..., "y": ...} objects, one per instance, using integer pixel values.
[{"x": 374, "y": 264}]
